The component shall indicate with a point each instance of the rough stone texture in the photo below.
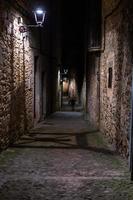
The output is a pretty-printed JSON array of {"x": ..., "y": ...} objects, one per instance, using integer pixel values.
[
  {"x": 116, "y": 101},
  {"x": 92, "y": 89},
  {"x": 15, "y": 68},
  {"x": 109, "y": 6},
  {"x": 26, "y": 92},
  {"x": 63, "y": 159}
]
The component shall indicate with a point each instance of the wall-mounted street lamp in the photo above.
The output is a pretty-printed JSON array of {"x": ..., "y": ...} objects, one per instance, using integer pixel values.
[
  {"x": 64, "y": 76},
  {"x": 39, "y": 16},
  {"x": 65, "y": 71}
]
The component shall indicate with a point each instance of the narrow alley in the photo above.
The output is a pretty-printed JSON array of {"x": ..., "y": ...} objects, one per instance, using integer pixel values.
[
  {"x": 63, "y": 158},
  {"x": 66, "y": 100}
]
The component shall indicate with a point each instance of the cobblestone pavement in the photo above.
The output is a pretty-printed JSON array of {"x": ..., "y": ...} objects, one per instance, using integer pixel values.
[{"x": 63, "y": 159}]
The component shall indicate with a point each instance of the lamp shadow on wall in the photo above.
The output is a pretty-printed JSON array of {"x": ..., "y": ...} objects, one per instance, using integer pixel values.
[{"x": 18, "y": 118}]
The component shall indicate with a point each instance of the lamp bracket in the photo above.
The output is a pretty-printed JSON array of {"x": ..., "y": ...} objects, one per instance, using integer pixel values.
[{"x": 24, "y": 29}]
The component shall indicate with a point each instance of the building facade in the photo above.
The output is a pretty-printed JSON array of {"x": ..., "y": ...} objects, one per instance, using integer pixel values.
[{"x": 26, "y": 63}]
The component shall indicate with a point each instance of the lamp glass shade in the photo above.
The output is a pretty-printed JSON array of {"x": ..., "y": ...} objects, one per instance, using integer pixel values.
[{"x": 39, "y": 16}]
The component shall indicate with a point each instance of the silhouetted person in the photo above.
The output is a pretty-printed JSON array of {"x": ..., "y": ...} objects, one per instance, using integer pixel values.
[
  {"x": 72, "y": 94},
  {"x": 72, "y": 102}
]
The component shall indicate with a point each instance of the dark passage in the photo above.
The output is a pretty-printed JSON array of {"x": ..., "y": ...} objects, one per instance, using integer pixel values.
[{"x": 66, "y": 125}]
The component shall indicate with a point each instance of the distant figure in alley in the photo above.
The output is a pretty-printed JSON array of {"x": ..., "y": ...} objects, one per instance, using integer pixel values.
[{"x": 72, "y": 94}]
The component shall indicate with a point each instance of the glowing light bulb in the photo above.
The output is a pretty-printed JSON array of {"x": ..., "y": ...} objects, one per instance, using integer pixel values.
[{"x": 39, "y": 11}]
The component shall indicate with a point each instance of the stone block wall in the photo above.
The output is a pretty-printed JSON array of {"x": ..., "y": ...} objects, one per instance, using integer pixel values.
[
  {"x": 114, "y": 76},
  {"x": 16, "y": 61},
  {"x": 115, "y": 99},
  {"x": 92, "y": 89}
]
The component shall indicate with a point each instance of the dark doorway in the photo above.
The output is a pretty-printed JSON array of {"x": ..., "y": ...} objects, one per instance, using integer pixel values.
[
  {"x": 43, "y": 93},
  {"x": 35, "y": 83}
]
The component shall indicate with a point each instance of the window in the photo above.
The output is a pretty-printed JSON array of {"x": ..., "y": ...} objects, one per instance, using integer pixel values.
[{"x": 94, "y": 24}]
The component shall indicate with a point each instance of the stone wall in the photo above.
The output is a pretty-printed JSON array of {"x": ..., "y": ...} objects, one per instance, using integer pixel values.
[
  {"x": 29, "y": 67},
  {"x": 113, "y": 74},
  {"x": 92, "y": 89},
  {"x": 115, "y": 101},
  {"x": 16, "y": 62},
  {"x": 109, "y": 6}
]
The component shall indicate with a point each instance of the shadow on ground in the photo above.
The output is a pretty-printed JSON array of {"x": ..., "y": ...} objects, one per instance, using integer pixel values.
[
  {"x": 91, "y": 141},
  {"x": 63, "y": 159}
]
